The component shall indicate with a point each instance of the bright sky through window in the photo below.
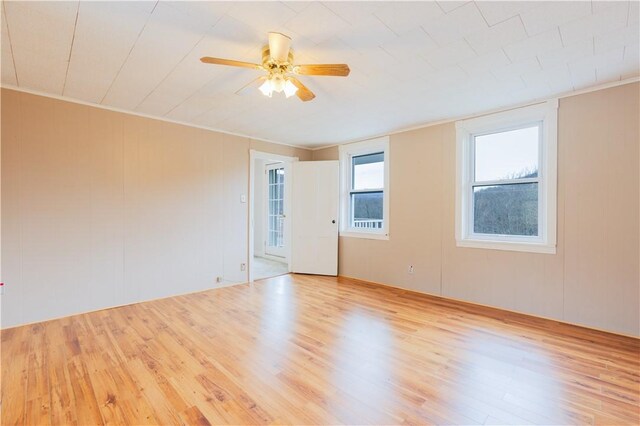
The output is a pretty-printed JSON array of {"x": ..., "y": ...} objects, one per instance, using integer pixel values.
[
  {"x": 506, "y": 155},
  {"x": 369, "y": 175}
]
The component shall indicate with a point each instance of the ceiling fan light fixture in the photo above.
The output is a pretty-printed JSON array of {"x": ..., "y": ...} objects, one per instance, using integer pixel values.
[
  {"x": 266, "y": 88},
  {"x": 290, "y": 89},
  {"x": 277, "y": 82}
]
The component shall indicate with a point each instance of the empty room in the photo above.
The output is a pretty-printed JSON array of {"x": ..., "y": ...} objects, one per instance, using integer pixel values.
[{"x": 320, "y": 213}]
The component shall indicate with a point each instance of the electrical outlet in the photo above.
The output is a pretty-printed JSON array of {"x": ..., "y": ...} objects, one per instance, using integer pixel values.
[
  {"x": 243, "y": 198},
  {"x": 243, "y": 266},
  {"x": 410, "y": 269}
]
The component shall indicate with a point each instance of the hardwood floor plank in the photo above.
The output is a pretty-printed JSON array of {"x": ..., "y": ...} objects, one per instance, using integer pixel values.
[{"x": 301, "y": 349}]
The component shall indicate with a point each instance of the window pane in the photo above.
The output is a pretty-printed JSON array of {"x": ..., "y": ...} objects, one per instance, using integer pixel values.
[
  {"x": 366, "y": 210},
  {"x": 506, "y": 209},
  {"x": 507, "y": 155},
  {"x": 368, "y": 171}
]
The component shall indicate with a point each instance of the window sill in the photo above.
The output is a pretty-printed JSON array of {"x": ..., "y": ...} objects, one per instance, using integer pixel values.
[
  {"x": 365, "y": 235},
  {"x": 508, "y": 246}
]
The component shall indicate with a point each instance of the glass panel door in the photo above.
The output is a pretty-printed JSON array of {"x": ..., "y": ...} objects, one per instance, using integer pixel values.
[{"x": 275, "y": 210}]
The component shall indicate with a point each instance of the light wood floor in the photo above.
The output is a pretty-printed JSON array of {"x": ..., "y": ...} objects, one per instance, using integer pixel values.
[{"x": 315, "y": 350}]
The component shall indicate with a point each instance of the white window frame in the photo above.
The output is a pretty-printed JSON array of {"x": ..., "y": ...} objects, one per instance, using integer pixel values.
[
  {"x": 546, "y": 115},
  {"x": 347, "y": 152}
]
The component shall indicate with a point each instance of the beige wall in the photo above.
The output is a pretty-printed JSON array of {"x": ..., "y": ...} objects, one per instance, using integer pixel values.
[
  {"x": 330, "y": 153},
  {"x": 101, "y": 208},
  {"x": 259, "y": 207},
  {"x": 594, "y": 277}
]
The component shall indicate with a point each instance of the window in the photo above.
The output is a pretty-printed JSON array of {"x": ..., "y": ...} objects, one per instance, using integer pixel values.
[
  {"x": 364, "y": 169},
  {"x": 275, "y": 209},
  {"x": 506, "y": 183}
]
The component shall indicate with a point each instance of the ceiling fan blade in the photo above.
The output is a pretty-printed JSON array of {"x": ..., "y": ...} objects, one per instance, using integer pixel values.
[
  {"x": 303, "y": 92},
  {"x": 279, "y": 45},
  {"x": 339, "y": 70},
  {"x": 252, "y": 84},
  {"x": 230, "y": 62}
]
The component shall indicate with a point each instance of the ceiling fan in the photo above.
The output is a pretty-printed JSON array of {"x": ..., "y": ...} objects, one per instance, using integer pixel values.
[{"x": 277, "y": 61}]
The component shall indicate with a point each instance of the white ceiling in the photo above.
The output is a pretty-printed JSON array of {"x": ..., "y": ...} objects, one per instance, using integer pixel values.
[{"x": 411, "y": 62}]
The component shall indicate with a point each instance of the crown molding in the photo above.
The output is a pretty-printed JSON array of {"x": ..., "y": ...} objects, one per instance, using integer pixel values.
[{"x": 140, "y": 114}]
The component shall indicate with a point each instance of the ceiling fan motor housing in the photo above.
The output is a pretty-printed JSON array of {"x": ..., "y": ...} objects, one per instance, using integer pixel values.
[{"x": 274, "y": 66}]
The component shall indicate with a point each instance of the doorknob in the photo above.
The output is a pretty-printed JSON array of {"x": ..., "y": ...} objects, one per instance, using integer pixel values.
[{"x": 333, "y": 221}]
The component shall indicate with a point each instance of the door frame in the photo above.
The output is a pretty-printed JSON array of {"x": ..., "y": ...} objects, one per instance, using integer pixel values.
[{"x": 261, "y": 155}]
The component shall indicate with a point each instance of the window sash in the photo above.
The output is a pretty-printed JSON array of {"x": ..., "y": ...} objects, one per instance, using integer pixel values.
[
  {"x": 472, "y": 152},
  {"x": 352, "y": 157},
  {"x": 474, "y": 184},
  {"x": 353, "y": 191},
  {"x": 352, "y": 213}
]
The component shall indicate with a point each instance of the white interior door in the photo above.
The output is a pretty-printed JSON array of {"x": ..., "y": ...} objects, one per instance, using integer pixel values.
[
  {"x": 275, "y": 210},
  {"x": 314, "y": 227}
]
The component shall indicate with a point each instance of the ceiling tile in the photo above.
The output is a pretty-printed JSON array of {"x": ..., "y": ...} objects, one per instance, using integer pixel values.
[
  {"x": 630, "y": 66},
  {"x": 598, "y": 6},
  {"x": 584, "y": 69},
  {"x": 498, "y": 11},
  {"x": 449, "y": 5},
  {"x": 368, "y": 32},
  {"x": 558, "y": 77},
  {"x": 450, "y": 55},
  {"x": 446, "y": 78},
  {"x": 506, "y": 32},
  {"x": 105, "y": 34},
  {"x": 632, "y": 53},
  {"x": 208, "y": 12},
  {"x": 551, "y": 14},
  {"x": 376, "y": 61},
  {"x": 317, "y": 22},
  {"x": 296, "y": 6},
  {"x": 191, "y": 108},
  {"x": 415, "y": 42},
  {"x": 228, "y": 39},
  {"x": 41, "y": 65},
  {"x": 408, "y": 68},
  {"x": 404, "y": 16},
  {"x": 8, "y": 70},
  {"x": 485, "y": 63},
  {"x": 583, "y": 77},
  {"x": 331, "y": 51},
  {"x": 620, "y": 37},
  {"x": 607, "y": 73},
  {"x": 606, "y": 20},
  {"x": 608, "y": 58},
  {"x": 634, "y": 13},
  {"x": 262, "y": 16},
  {"x": 517, "y": 69},
  {"x": 531, "y": 46},
  {"x": 573, "y": 51},
  {"x": 354, "y": 11},
  {"x": 166, "y": 39},
  {"x": 456, "y": 24}
]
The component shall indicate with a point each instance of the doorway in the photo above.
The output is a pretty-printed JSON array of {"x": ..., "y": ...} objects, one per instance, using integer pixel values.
[{"x": 269, "y": 245}]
